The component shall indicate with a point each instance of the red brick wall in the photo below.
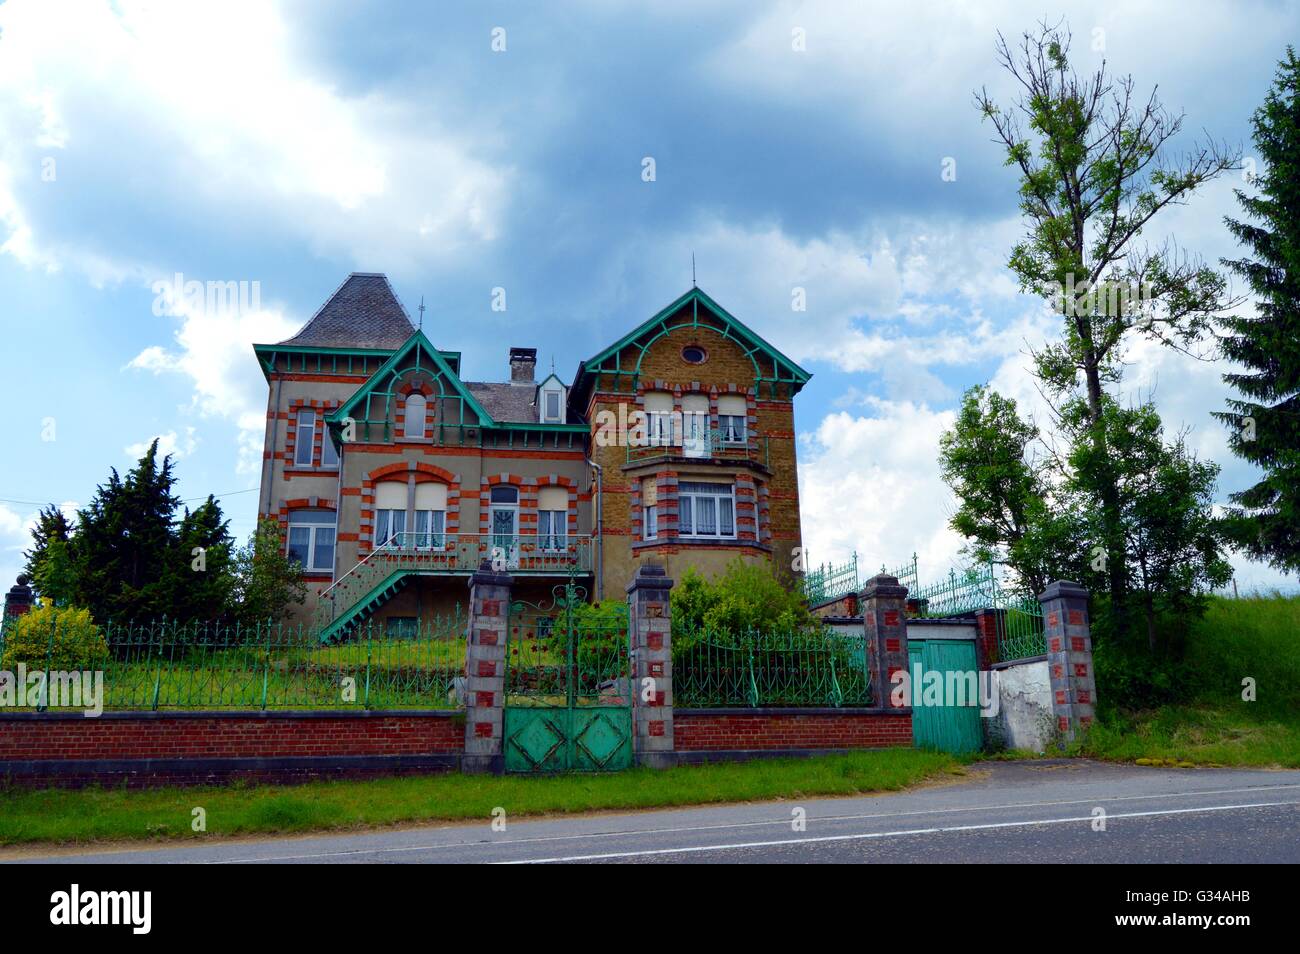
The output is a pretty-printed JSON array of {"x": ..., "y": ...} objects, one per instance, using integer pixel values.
[
  {"x": 767, "y": 729},
  {"x": 179, "y": 736}
]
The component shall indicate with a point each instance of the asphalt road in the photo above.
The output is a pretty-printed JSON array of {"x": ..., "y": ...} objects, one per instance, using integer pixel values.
[{"x": 1004, "y": 812}]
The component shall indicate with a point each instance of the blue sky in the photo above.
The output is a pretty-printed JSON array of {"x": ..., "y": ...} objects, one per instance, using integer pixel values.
[{"x": 291, "y": 144}]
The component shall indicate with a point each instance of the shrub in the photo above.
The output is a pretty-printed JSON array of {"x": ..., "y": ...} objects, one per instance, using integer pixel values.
[{"x": 77, "y": 642}]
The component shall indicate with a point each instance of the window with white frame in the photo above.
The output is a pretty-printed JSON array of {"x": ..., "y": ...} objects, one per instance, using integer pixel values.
[
  {"x": 732, "y": 413},
  {"x": 649, "y": 509},
  {"x": 304, "y": 437},
  {"x": 311, "y": 540},
  {"x": 706, "y": 510},
  {"x": 390, "y": 513},
  {"x": 552, "y": 405},
  {"x": 552, "y": 518},
  {"x": 430, "y": 515},
  {"x": 659, "y": 418},
  {"x": 413, "y": 419}
]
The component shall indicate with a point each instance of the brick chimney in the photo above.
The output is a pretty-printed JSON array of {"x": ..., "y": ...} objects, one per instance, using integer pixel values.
[{"x": 523, "y": 362}]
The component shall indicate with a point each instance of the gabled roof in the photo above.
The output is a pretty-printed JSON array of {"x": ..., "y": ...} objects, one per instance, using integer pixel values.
[
  {"x": 363, "y": 313},
  {"x": 770, "y": 365},
  {"x": 382, "y": 378}
]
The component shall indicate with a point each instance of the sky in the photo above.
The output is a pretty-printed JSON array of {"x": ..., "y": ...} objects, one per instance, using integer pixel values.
[{"x": 473, "y": 146}]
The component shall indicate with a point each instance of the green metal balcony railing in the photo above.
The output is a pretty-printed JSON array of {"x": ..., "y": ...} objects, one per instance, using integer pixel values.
[
  {"x": 707, "y": 444},
  {"x": 433, "y": 554}
]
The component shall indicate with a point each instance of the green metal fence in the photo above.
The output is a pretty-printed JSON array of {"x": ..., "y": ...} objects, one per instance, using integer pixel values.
[
  {"x": 167, "y": 665},
  {"x": 1019, "y": 618},
  {"x": 830, "y": 581},
  {"x": 770, "y": 669}
]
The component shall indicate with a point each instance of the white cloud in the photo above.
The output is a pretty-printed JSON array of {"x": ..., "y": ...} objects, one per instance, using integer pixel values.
[
  {"x": 168, "y": 443},
  {"x": 214, "y": 350},
  {"x": 209, "y": 109},
  {"x": 871, "y": 484}
]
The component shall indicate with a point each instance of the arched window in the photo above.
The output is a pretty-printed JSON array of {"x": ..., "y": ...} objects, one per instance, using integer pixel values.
[
  {"x": 413, "y": 422},
  {"x": 732, "y": 412},
  {"x": 430, "y": 515}
]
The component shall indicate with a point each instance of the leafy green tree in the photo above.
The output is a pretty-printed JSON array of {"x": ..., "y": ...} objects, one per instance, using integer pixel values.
[
  {"x": 990, "y": 460},
  {"x": 1172, "y": 547},
  {"x": 1265, "y": 423},
  {"x": 266, "y": 581},
  {"x": 200, "y": 575},
  {"x": 745, "y": 597},
  {"x": 1093, "y": 173},
  {"x": 56, "y": 638},
  {"x": 124, "y": 538}
]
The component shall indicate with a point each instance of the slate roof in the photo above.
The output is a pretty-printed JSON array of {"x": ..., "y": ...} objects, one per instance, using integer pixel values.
[
  {"x": 508, "y": 403},
  {"x": 363, "y": 313}
]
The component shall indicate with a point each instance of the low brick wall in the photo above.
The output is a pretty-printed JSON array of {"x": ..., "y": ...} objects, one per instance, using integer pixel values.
[
  {"x": 150, "y": 748},
  {"x": 745, "y": 732}
]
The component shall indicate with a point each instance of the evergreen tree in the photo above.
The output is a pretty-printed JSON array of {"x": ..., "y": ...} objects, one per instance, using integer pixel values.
[
  {"x": 200, "y": 571},
  {"x": 124, "y": 538},
  {"x": 52, "y": 530},
  {"x": 1265, "y": 423}
]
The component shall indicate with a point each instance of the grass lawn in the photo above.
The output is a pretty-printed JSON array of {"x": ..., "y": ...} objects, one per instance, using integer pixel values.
[{"x": 78, "y": 816}]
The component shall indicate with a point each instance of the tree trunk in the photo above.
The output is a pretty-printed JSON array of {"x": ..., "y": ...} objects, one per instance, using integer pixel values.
[{"x": 1109, "y": 498}]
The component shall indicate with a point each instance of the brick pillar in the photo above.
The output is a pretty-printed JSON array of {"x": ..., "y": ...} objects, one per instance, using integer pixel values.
[
  {"x": 18, "y": 601},
  {"x": 485, "y": 670},
  {"x": 1069, "y": 656},
  {"x": 987, "y": 623},
  {"x": 651, "y": 647},
  {"x": 884, "y": 623}
]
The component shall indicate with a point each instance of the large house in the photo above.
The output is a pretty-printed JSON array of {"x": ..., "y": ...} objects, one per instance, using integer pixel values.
[{"x": 393, "y": 475}]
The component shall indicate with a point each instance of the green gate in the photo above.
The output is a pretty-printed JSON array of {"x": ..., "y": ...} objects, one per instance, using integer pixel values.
[
  {"x": 568, "y": 702},
  {"x": 947, "y": 727}
]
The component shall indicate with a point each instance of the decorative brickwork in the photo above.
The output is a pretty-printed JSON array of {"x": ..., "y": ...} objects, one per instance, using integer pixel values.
[
  {"x": 1069, "y": 657},
  {"x": 485, "y": 670},
  {"x": 650, "y": 622},
  {"x": 884, "y": 623}
]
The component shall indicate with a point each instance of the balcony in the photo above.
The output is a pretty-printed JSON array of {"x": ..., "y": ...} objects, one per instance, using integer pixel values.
[{"x": 711, "y": 444}]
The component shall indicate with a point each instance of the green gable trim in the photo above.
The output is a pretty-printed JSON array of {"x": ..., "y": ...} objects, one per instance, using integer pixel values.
[
  {"x": 733, "y": 329},
  {"x": 268, "y": 353},
  {"x": 388, "y": 372}
]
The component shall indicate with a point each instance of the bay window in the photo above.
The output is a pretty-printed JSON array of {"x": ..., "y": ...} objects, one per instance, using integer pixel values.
[
  {"x": 706, "y": 510},
  {"x": 649, "y": 509}
]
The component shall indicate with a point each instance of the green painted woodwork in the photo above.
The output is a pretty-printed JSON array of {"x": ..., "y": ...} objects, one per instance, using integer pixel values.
[
  {"x": 760, "y": 353},
  {"x": 947, "y": 727},
  {"x": 568, "y": 705}
]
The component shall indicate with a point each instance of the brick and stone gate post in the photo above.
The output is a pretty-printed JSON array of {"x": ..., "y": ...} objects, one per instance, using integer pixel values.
[
  {"x": 884, "y": 623},
  {"x": 1069, "y": 656},
  {"x": 18, "y": 601},
  {"x": 650, "y": 646},
  {"x": 485, "y": 670}
]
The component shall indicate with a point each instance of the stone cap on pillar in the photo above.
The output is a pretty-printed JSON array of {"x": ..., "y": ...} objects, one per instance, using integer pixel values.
[
  {"x": 884, "y": 585},
  {"x": 486, "y": 576},
  {"x": 1063, "y": 589},
  {"x": 650, "y": 576}
]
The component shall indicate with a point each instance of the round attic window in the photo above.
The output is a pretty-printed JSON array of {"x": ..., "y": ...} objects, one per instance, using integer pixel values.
[{"x": 694, "y": 354}]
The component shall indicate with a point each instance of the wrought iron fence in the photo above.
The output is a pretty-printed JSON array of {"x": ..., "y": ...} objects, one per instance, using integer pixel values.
[
  {"x": 168, "y": 665},
  {"x": 776, "y": 668},
  {"x": 1019, "y": 618},
  {"x": 830, "y": 581}
]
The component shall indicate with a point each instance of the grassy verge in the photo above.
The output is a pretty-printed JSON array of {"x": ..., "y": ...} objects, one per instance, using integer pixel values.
[
  {"x": 1204, "y": 720},
  {"x": 1197, "y": 735},
  {"x": 97, "y": 814}
]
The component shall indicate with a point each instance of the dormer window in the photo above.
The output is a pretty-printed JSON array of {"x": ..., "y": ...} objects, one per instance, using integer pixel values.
[{"x": 550, "y": 401}]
